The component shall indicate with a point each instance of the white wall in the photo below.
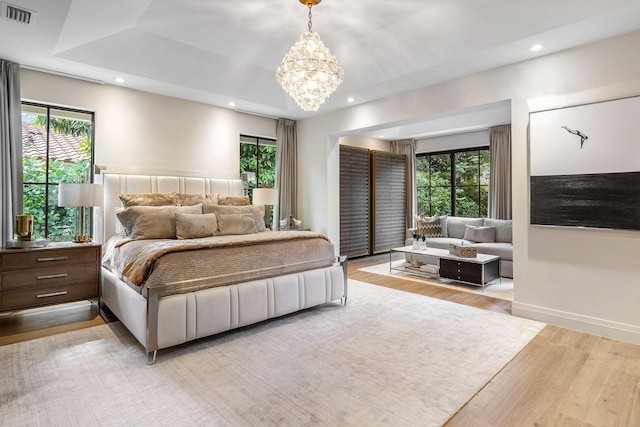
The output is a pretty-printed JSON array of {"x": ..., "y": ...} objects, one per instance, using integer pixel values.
[
  {"x": 140, "y": 130},
  {"x": 582, "y": 279},
  {"x": 367, "y": 142},
  {"x": 457, "y": 141}
]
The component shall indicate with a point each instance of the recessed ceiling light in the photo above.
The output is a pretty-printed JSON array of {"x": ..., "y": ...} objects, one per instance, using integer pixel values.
[
  {"x": 350, "y": 99},
  {"x": 120, "y": 79},
  {"x": 232, "y": 104},
  {"x": 535, "y": 47}
]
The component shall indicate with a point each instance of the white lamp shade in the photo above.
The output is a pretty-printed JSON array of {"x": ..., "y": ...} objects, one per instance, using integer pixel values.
[
  {"x": 80, "y": 195},
  {"x": 265, "y": 196}
]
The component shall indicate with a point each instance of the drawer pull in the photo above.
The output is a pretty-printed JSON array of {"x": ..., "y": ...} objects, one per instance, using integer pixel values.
[
  {"x": 52, "y": 294},
  {"x": 52, "y": 276},
  {"x": 53, "y": 258}
]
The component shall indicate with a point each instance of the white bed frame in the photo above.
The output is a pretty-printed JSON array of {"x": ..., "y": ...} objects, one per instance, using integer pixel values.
[{"x": 161, "y": 322}]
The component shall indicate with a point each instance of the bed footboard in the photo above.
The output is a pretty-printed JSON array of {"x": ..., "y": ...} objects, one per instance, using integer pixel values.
[{"x": 166, "y": 321}]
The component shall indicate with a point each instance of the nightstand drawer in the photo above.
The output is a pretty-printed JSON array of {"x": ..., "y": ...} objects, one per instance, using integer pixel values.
[
  {"x": 48, "y": 295},
  {"x": 49, "y": 258},
  {"x": 46, "y": 276}
]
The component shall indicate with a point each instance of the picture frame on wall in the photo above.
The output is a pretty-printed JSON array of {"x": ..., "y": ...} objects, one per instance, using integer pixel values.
[{"x": 584, "y": 168}]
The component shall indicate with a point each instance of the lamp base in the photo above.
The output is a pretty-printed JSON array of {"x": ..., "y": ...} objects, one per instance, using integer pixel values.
[{"x": 82, "y": 238}]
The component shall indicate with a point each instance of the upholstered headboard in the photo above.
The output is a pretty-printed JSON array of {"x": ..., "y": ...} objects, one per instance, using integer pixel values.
[{"x": 116, "y": 184}]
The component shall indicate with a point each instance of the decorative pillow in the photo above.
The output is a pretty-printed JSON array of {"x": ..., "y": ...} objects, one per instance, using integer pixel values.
[
  {"x": 153, "y": 222},
  {"x": 148, "y": 199},
  {"x": 120, "y": 228},
  {"x": 234, "y": 201},
  {"x": 480, "y": 234},
  {"x": 504, "y": 229},
  {"x": 236, "y": 224},
  {"x": 430, "y": 227},
  {"x": 195, "y": 226},
  {"x": 256, "y": 212},
  {"x": 183, "y": 199},
  {"x": 456, "y": 225}
]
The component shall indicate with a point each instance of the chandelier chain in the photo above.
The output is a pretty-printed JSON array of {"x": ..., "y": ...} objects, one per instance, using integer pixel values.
[{"x": 310, "y": 6}]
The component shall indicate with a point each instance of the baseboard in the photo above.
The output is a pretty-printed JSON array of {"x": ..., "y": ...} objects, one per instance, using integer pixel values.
[{"x": 578, "y": 322}]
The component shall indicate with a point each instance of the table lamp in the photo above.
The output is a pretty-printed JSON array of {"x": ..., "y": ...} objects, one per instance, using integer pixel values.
[
  {"x": 80, "y": 196},
  {"x": 266, "y": 197}
]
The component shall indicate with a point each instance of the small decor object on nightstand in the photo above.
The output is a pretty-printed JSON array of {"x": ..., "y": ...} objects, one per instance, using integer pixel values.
[
  {"x": 23, "y": 230},
  {"x": 463, "y": 251}
]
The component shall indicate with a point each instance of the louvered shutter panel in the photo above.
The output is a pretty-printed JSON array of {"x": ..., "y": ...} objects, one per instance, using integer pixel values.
[
  {"x": 389, "y": 189},
  {"x": 354, "y": 201}
]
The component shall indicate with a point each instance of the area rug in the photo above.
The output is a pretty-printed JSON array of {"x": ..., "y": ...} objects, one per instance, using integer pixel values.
[
  {"x": 386, "y": 358},
  {"x": 501, "y": 289}
]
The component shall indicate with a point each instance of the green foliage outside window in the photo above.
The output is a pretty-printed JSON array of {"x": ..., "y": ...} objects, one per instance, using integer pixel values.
[
  {"x": 261, "y": 160},
  {"x": 453, "y": 183}
]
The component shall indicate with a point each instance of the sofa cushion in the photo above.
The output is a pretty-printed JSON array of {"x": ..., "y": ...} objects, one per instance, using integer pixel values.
[
  {"x": 456, "y": 225},
  {"x": 430, "y": 227},
  {"x": 503, "y": 250},
  {"x": 480, "y": 234},
  {"x": 504, "y": 227}
]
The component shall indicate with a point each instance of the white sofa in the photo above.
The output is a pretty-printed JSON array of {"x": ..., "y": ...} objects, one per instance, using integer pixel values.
[{"x": 454, "y": 229}]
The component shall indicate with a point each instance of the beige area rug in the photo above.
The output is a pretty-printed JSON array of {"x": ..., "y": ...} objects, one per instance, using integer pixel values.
[
  {"x": 387, "y": 358},
  {"x": 501, "y": 289}
]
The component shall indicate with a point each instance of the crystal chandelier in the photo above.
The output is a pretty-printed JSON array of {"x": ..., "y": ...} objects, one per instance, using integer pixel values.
[{"x": 309, "y": 72}]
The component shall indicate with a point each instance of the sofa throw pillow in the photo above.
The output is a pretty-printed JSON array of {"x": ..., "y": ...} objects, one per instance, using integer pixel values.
[
  {"x": 480, "y": 234},
  {"x": 195, "y": 226},
  {"x": 153, "y": 222},
  {"x": 430, "y": 227},
  {"x": 236, "y": 224},
  {"x": 148, "y": 199},
  {"x": 504, "y": 229},
  {"x": 456, "y": 225}
]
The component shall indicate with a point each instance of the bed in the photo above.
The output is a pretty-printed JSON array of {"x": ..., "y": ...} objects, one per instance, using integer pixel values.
[{"x": 168, "y": 290}]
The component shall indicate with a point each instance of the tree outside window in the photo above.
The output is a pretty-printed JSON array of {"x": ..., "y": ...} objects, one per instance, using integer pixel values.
[
  {"x": 258, "y": 156},
  {"x": 453, "y": 183},
  {"x": 57, "y": 146}
]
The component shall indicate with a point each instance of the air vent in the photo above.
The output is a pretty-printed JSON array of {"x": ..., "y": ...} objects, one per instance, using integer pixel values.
[{"x": 18, "y": 14}]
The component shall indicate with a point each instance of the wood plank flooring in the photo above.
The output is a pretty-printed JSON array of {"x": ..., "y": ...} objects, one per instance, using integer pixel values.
[{"x": 562, "y": 378}]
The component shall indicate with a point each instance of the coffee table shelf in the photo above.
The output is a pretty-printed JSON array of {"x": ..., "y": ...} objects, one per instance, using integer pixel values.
[{"x": 478, "y": 271}]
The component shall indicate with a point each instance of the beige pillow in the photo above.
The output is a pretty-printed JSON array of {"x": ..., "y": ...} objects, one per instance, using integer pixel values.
[
  {"x": 153, "y": 222},
  {"x": 480, "y": 234},
  {"x": 236, "y": 224},
  {"x": 148, "y": 199},
  {"x": 183, "y": 199},
  {"x": 234, "y": 201},
  {"x": 256, "y": 212},
  {"x": 195, "y": 226}
]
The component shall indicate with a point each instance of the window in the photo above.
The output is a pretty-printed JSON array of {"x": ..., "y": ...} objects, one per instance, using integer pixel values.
[
  {"x": 258, "y": 157},
  {"x": 453, "y": 183},
  {"x": 57, "y": 146}
]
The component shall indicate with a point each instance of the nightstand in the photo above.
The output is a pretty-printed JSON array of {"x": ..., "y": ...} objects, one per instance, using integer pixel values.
[{"x": 58, "y": 273}]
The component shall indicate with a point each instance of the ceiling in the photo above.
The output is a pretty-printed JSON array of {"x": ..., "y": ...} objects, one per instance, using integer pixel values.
[{"x": 217, "y": 51}]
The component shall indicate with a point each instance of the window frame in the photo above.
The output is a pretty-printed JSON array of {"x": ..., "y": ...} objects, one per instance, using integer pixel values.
[
  {"x": 452, "y": 157},
  {"x": 47, "y": 184}
]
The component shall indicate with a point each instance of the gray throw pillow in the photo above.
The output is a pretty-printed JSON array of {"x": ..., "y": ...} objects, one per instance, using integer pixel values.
[
  {"x": 504, "y": 229},
  {"x": 480, "y": 234}
]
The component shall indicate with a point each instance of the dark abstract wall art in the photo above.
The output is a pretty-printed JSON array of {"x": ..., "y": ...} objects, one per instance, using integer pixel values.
[{"x": 585, "y": 165}]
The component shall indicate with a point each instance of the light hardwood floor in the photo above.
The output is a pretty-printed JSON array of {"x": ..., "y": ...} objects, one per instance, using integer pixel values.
[{"x": 561, "y": 378}]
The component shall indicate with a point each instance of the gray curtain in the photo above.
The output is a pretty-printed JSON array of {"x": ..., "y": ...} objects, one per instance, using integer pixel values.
[
  {"x": 10, "y": 147},
  {"x": 408, "y": 147},
  {"x": 500, "y": 175},
  {"x": 286, "y": 170}
]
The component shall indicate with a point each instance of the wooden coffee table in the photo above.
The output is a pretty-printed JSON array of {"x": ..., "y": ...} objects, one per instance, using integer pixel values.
[{"x": 479, "y": 271}]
